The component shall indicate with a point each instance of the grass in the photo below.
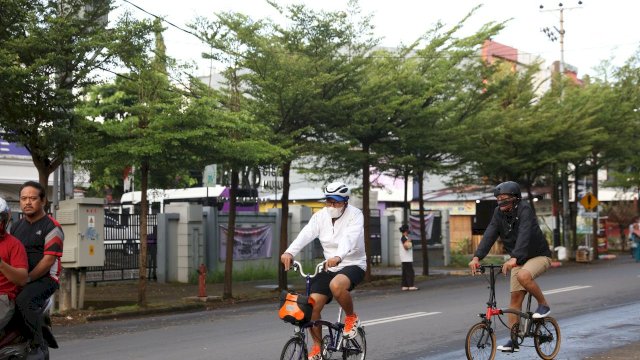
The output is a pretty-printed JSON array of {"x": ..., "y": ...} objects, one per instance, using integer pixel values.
[{"x": 250, "y": 273}]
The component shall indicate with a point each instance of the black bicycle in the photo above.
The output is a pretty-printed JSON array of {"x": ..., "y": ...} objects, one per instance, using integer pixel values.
[
  {"x": 480, "y": 343},
  {"x": 333, "y": 344}
]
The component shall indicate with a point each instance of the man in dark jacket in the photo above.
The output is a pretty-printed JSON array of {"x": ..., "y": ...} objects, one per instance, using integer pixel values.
[{"x": 515, "y": 222}]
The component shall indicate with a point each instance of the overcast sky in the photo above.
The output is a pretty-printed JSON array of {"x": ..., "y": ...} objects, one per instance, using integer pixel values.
[{"x": 595, "y": 31}]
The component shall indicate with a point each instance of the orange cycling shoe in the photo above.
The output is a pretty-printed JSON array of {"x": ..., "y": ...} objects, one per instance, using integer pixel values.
[
  {"x": 315, "y": 353},
  {"x": 351, "y": 324}
]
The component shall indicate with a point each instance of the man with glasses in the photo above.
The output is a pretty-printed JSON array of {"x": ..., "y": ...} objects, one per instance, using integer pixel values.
[
  {"x": 42, "y": 237},
  {"x": 515, "y": 222},
  {"x": 340, "y": 229}
]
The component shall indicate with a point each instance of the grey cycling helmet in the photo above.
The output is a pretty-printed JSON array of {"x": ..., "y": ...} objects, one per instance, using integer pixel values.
[
  {"x": 337, "y": 191},
  {"x": 508, "y": 187}
]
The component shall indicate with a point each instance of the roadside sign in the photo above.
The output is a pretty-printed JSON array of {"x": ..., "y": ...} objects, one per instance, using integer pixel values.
[{"x": 589, "y": 201}]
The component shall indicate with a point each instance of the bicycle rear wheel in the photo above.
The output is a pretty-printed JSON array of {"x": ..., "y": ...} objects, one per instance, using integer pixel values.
[
  {"x": 547, "y": 338},
  {"x": 480, "y": 343},
  {"x": 356, "y": 348},
  {"x": 294, "y": 349}
]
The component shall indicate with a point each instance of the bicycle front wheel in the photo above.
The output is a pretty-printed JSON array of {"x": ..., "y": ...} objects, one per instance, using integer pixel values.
[
  {"x": 327, "y": 346},
  {"x": 356, "y": 348},
  {"x": 294, "y": 349},
  {"x": 480, "y": 343},
  {"x": 547, "y": 338}
]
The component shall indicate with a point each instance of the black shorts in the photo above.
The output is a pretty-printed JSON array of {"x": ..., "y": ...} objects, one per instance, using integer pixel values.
[{"x": 320, "y": 283}]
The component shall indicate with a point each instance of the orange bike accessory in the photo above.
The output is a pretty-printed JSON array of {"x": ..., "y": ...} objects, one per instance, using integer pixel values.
[{"x": 294, "y": 308}]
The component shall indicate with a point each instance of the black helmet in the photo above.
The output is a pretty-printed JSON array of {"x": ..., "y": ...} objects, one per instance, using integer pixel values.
[
  {"x": 508, "y": 187},
  {"x": 404, "y": 228}
]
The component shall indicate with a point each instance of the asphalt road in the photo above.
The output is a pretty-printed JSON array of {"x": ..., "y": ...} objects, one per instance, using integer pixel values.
[{"x": 597, "y": 306}]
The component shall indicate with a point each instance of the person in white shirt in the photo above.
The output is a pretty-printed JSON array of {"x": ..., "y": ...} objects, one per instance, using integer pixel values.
[
  {"x": 340, "y": 229},
  {"x": 406, "y": 257}
]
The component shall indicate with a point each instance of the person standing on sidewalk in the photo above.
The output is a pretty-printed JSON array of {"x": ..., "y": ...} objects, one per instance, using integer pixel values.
[
  {"x": 515, "y": 222},
  {"x": 406, "y": 258},
  {"x": 42, "y": 238},
  {"x": 340, "y": 229}
]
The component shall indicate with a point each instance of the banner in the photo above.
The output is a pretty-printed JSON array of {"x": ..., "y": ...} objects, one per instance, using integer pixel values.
[
  {"x": 248, "y": 243},
  {"x": 414, "y": 226}
]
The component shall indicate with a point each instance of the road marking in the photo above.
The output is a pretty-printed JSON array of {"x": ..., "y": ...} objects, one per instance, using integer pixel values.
[
  {"x": 565, "y": 289},
  {"x": 398, "y": 318}
]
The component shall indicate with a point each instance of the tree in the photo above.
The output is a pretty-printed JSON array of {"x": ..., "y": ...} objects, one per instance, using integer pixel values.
[
  {"x": 139, "y": 119},
  {"x": 48, "y": 49},
  {"x": 624, "y": 213},
  {"x": 291, "y": 74},
  {"x": 233, "y": 138},
  {"x": 403, "y": 107},
  {"x": 625, "y": 105},
  {"x": 448, "y": 91}
]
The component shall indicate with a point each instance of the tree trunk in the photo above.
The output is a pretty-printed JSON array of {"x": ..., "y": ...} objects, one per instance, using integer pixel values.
[
  {"x": 405, "y": 214},
  {"x": 531, "y": 202},
  {"x": 595, "y": 221},
  {"x": 144, "y": 211},
  {"x": 423, "y": 230},
  {"x": 284, "y": 223},
  {"x": 555, "y": 207},
  {"x": 366, "y": 211},
  {"x": 574, "y": 205},
  {"x": 231, "y": 229}
]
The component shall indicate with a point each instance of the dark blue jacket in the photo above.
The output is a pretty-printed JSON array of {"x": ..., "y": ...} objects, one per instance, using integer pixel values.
[{"x": 520, "y": 234}]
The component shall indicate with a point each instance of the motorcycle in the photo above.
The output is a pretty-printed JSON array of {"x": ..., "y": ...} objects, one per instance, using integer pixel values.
[{"x": 14, "y": 345}]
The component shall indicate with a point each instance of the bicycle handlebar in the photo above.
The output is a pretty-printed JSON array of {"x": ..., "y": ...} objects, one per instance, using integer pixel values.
[
  {"x": 481, "y": 268},
  {"x": 296, "y": 266}
]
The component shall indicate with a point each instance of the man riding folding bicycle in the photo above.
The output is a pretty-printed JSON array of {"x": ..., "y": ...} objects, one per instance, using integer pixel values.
[
  {"x": 515, "y": 222},
  {"x": 339, "y": 227}
]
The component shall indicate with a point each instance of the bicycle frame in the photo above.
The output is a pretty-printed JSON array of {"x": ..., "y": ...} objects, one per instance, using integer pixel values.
[
  {"x": 334, "y": 328},
  {"x": 493, "y": 309}
]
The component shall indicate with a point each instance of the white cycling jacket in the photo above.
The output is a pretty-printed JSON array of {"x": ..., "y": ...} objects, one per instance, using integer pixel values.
[{"x": 344, "y": 238}]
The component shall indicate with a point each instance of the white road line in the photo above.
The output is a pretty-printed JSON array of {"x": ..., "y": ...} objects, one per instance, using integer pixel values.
[
  {"x": 398, "y": 318},
  {"x": 565, "y": 289}
]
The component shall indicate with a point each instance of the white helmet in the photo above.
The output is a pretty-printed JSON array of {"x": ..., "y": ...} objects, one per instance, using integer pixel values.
[
  {"x": 5, "y": 217},
  {"x": 337, "y": 191}
]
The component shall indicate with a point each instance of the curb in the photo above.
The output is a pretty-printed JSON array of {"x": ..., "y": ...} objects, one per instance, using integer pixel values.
[{"x": 146, "y": 312}]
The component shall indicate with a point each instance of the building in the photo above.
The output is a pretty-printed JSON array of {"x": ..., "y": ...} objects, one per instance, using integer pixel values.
[{"x": 17, "y": 167}]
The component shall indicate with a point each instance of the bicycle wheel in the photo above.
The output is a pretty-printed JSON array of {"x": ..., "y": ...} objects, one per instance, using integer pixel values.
[
  {"x": 356, "y": 348},
  {"x": 327, "y": 354},
  {"x": 294, "y": 349},
  {"x": 547, "y": 338},
  {"x": 480, "y": 343}
]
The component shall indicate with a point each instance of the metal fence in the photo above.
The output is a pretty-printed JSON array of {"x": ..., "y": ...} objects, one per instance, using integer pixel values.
[{"x": 122, "y": 248}]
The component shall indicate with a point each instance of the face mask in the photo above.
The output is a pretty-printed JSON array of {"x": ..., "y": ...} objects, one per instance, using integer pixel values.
[
  {"x": 507, "y": 205},
  {"x": 505, "y": 202},
  {"x": 335, "y": 212}
]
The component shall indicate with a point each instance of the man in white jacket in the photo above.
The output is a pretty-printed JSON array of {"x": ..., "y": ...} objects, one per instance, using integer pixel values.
[{"x": 339, "y": 227}]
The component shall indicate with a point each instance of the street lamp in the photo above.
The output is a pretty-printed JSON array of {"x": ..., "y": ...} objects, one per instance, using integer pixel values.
[
  {"x": 564, "y": 177},
  {"x": 552, "y": 36}
]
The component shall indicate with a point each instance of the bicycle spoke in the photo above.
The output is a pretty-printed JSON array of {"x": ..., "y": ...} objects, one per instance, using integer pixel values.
[
  {"x": 480, "y": 343},
  {"x": 547, "y": 338}
]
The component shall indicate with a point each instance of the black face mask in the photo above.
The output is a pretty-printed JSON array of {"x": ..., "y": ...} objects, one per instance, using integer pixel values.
[{"x": 505, "y": 202}]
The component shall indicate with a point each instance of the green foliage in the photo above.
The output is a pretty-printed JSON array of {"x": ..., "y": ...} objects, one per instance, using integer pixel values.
[
  {"x": 248, "y": 273},
  {"x": 460, "y": 260},
  {"x": 47, "y": 51}
]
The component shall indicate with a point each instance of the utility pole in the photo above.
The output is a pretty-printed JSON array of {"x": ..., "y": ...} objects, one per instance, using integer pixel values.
[{"x": 564, "y": 176}]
